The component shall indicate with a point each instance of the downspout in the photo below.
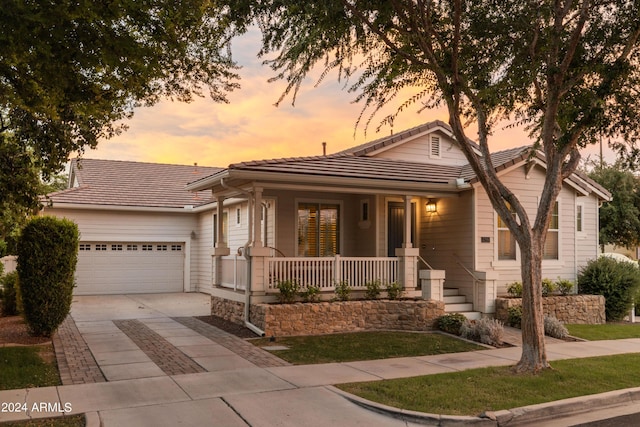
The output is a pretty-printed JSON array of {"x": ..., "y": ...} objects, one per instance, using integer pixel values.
[{"x": 247, "y": 257}]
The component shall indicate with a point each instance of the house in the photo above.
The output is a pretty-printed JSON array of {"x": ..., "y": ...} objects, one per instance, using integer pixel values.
[{"x": 236, "y": 232}]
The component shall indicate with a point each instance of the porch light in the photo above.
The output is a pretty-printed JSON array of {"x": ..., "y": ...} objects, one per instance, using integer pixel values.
[{"x": 431, "y": 206}]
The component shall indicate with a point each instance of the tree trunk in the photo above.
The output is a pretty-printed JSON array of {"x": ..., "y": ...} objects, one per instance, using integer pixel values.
[{"x": 534, "y": 355}]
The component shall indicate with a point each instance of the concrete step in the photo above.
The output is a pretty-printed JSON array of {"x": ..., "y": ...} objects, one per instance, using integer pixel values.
[
  {"x": 472, "y": 315},
  {"x": 458, "y": 308},
  {"x": 450, "y": 292},
  {"x": 455, "y": 299}
]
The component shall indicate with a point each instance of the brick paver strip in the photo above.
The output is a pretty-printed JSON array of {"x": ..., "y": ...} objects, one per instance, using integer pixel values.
[
  {"x": 164, "y": 354},
  {"x": 75, "y": 361},
  {"x": 250, "y": 352}
]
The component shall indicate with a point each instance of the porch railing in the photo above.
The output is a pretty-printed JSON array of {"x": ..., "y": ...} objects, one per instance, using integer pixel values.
[{"x": 325, "y": 272}]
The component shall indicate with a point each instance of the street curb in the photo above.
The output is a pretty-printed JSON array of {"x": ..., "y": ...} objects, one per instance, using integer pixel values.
[{"x": 515, "y": 416}]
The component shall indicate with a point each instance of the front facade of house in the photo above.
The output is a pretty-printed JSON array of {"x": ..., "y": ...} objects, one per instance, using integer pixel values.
[{"x": 328, "y": 219}]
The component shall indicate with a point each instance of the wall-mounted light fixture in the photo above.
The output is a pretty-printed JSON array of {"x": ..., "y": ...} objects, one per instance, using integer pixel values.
[{"x": 431, "y": 206}]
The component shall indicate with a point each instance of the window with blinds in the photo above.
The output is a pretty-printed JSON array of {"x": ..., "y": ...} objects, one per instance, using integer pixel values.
[
  {"x": 318, "y": 229},
  {"x": 551, "y": 245}
]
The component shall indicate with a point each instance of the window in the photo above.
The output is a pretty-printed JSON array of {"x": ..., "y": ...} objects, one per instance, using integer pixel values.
[
  {"x": 132, "y": 247},
  {"x": 176, "y": 247},
  {"x": 364, "y": 210},
  {"x": 101, "y": 247},
  {"x": 225, "y": 227},
  {"x": 116, "y": 247},
  {"x": 238, "y": 216},
  {"x": 85, "y": 247},
  {"x": 161, "y": 247},
  {"x": 579, "y": 218},
  {"x": 318, "y": 229},
  {"x": 147, "y": 247},
  {"x": 551, "y": 244},
  {"x": 506, "y": 241},
  {"x": 435, "y": 147}
]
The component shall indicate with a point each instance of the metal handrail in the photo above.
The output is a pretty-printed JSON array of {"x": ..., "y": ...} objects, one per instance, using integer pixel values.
[{"x": 425, "y": 262}]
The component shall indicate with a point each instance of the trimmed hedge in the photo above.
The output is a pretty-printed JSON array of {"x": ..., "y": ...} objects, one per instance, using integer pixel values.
[
  {"x": 619, "y": 282},
  {"x": 9, "y": 285},
  {"x": 47, "y": 257}
]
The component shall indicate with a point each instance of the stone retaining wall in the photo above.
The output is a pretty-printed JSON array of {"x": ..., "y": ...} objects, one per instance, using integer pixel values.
[
  {"x": 334, "y": 317},
  {"x": 585, "y": 309}
]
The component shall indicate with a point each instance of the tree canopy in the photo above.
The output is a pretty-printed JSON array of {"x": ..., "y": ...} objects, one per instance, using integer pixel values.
[
  {"x": 620, "y": 217},
  {"x": 567, "y": 69},
  {"x": 71, "y": 71}
]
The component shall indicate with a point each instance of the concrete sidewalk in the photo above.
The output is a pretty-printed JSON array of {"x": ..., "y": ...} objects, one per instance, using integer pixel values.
[{"x": 143, "y": 353}]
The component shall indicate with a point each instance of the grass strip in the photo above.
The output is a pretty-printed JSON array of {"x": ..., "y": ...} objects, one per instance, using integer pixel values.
[
  {"x": 24, "y": 367},
  {"x": 475, "y": 391},
  {"x": 66, "y": 421},
  {"x": 608, "y": 331},
  {"x": 350, "y": 347}
]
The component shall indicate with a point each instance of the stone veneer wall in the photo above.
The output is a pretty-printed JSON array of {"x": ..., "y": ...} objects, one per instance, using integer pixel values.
[
  {"x": 585, "y": 309},
  {"x": 332, "y": 317}
]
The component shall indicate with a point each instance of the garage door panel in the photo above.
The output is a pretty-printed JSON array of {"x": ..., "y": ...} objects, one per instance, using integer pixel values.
[{"x": 123, "y": 267}]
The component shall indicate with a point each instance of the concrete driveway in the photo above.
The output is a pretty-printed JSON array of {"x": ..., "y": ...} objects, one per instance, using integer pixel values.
[{"x": 139, "y": 306}]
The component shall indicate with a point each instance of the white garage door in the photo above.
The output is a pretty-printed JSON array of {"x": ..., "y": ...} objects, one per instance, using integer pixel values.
[{"x": 127, "y": 267}]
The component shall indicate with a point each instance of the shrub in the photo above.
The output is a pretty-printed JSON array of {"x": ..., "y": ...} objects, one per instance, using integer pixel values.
[
  {"x": 451, "y": 323},
  {"x": 373, "y": 289},
  {"x": 343, "y": 291},
  {"x": 548, "y": 287},
  {"x": 617, "y": 281},
  {"x": 310, "y": 294},
  {"x": 394, "y": 290},
  {"x": 554, "y": 328},
  {"x": 515, "y": 317},
  {"x": 564, "y": 286},
  {"x": 515, "y": 289},
  {"x": 487, "y": 331},
  {"x": 288, "y": 291},
  {"x": 9, "y": 284},
  {"x": 47, "y": 256}
]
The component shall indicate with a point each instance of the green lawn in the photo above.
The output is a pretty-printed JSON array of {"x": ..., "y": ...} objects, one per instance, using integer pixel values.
[
  {"x": 490, "y": 389},
  {"x": 608, "y": 331},
  {"x": 363, "y": 346},
  {"x": 69, "y": 421},
  {"x": 23, "y": 367}
]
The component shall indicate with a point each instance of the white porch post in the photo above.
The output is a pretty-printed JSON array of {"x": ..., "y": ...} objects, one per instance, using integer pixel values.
[
  {"x": 258, "y": 252},
  {"x": 408, "y": 262},
  {"x": 220, "y": 246},
  {"x": 486, "y": 291},
  {"x": 432, "y": 282}
]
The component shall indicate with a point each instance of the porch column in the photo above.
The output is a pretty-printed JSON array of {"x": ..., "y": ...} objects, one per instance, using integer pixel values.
[
  {"x": 406, "y": 238},
  {"x": 257, "y": 217},
  {"x": 486, "y": 291},
  {"x": 220, "y": 248},
  {"x": 408, "y": 255}
]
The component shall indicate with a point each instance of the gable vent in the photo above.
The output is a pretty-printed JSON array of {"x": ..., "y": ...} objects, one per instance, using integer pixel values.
[{"x": 435, "y": 146}]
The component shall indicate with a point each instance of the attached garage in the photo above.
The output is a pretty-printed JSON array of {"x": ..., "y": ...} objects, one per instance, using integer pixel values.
[{"x": 130, "y": 267}]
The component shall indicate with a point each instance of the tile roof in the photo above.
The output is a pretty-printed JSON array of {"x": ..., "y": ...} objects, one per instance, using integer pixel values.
[
  {"x": 349, "y": 166},
  {"x": 124, "y": 183},
  {"x": 377, "y": 144}
]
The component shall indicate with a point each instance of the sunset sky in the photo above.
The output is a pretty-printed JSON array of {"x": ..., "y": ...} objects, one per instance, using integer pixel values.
[{"x": 250, "y": 127}]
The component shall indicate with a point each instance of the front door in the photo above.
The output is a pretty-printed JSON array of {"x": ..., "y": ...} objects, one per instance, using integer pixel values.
[{"x": 395, "y": 226}]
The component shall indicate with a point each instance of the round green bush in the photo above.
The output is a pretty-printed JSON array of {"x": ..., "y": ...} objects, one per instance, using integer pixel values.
[
  {"x": 451, "y": 323},
  {"x": 47, "y": 257},
  {"x": 618, "y": 282}
]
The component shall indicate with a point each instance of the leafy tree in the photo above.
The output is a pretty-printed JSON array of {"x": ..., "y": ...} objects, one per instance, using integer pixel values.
[
  {"x": 71, "y": 71},
  {"x": 568, "y": 70},
  {"x": 619, "y": 218}
]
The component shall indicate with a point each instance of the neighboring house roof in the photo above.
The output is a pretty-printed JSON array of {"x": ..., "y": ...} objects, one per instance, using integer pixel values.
[
  {"x": 132, "y": 184},
  {"x": 373, "y": 146}
]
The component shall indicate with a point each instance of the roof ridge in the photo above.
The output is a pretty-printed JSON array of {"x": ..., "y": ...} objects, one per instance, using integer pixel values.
[
  {"x": 81, "y": 159},
  {"x": 288, "y": 159}
]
